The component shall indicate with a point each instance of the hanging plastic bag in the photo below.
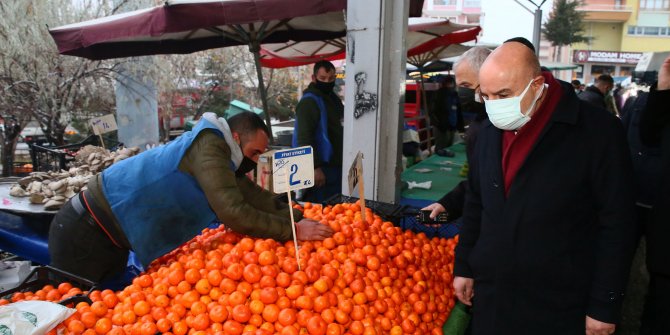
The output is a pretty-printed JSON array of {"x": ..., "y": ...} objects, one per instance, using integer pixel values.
[
  {"x": 458, "y": 321},
  {"x": 31, "y": 317}
]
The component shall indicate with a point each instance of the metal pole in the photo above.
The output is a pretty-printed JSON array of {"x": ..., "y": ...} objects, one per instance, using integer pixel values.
[
  {"x": 255, "y": 48},
  {"x": 536, "y": 30},
  {"x": 537, "y": 24},
  {"x": 425, "y": 103}
]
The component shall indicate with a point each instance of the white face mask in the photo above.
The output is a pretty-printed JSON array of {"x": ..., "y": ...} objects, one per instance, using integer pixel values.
[{"x": 506, "y": 113}]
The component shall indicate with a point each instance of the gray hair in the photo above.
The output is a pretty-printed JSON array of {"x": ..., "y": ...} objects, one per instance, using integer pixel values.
[{"x": 475, "y": 57}]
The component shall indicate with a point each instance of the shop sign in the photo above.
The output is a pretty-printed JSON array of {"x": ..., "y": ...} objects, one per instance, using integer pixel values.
[{"x": 597, "y": 56}]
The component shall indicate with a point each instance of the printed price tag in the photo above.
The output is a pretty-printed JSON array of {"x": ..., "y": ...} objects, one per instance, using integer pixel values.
[
  {"x": 103, "y": 124},
  {"x": 298, "y": 163}
]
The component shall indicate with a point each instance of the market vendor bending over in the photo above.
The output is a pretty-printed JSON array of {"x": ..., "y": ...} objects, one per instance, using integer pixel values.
[{"x": 153, "y": 202}]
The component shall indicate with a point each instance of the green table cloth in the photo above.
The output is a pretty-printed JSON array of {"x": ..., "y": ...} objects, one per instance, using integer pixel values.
[{"x": 444, "y": 174}]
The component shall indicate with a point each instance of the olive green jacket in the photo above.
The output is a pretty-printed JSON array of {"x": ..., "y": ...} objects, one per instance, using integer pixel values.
[{"x": 238, "y": 203}]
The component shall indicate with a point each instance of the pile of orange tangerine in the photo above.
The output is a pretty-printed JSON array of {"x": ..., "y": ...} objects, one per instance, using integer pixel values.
[{"x": 368, "y": 278}]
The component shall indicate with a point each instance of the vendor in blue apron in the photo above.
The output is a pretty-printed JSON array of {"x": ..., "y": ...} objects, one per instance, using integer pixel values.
[
  {"x": 319, "y": 123},
  {"x": 154, "y": 202}
]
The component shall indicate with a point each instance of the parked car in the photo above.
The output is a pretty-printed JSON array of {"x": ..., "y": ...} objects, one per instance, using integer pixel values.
[{"x": 33, "y": 135}]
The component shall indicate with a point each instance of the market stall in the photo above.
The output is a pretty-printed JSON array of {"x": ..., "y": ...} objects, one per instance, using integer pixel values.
[
  {"x": 370, "y": 277},
  {"x": 443, "y": 173}
]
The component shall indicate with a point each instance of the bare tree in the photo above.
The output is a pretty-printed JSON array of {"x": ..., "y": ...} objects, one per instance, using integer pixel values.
[
  {"x": 281, "y": 84},
  {"x": 36, "y": 81}
]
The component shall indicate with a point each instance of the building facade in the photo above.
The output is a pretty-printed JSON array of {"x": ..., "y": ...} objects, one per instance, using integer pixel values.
[
  {"x": 457, "y": 11},
  {"x": 619, "y": 31}
]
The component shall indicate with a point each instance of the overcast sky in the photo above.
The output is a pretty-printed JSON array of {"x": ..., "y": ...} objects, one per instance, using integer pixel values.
[{"x": 504, "y": 19}]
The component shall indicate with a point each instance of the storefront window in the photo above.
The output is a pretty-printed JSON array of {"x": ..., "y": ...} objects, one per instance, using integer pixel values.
[
  {"x": 578, "y": 73},
  {"x": 597, "y": 70},
  {"x": 626, "y": 71}
]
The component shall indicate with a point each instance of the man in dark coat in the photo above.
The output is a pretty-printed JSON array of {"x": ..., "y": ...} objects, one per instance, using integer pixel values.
[
  {"x": 655, "y": 131},
  {"x": 445, "y": 115},
  {"x": 548, "y": 231},
  {"x": 595, "y": 94},
  {"x": 466, "y": 71}
]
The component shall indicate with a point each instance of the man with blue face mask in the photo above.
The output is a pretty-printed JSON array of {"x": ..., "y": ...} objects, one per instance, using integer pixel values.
[{"x": 548, "y": 223}]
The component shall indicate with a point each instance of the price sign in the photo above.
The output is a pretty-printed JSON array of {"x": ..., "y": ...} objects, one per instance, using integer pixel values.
[
  {"x": 356, "y": 176},
  {"x": 355, "y": 172},
  {"x": 293, "y": 169},
  {"x": 103, "y": 124}
]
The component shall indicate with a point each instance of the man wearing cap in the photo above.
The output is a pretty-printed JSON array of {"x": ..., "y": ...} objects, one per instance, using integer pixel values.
[{"x": 548, "y": 230}]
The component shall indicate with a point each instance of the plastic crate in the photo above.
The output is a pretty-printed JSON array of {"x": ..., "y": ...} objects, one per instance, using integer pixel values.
[
  {"x": 56, "y": 158},
  {"x": 45, "y": 275},
  {"x": 388, "y": 212},
  {"x": 445, "y": 230},
  {"x": 22, "y": 169}
]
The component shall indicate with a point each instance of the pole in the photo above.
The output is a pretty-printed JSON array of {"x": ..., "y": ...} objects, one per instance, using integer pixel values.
[
  {"x": 537, "y": 24},
  {"x": 425, "y": 102},
  {"x": 375, "y": 84},
  {"x": 536, "y": 29},
  {"x": 255, "y": 48}
]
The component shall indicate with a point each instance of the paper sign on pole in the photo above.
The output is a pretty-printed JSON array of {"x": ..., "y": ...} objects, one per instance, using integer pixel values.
[
  {"x": 356, "y": 175},
  {"x": 298, "y": 165},
  {"x": 355, "y": 172},
  {"x": 103, "y": 124}
]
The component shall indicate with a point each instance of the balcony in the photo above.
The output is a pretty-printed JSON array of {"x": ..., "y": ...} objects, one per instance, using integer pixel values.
[
  {"x": 461, "y": 11},
  {"x": 654, "y": 5},
  {"x": 605, "y": 11}
]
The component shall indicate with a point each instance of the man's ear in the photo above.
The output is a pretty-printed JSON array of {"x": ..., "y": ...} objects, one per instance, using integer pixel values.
[{"x": 236, "y": 137}]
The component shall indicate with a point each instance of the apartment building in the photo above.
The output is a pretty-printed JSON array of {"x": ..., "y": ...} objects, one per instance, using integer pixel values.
[
  {"x": 458, "y": 11},
  {"x": 619, "y": 32}
]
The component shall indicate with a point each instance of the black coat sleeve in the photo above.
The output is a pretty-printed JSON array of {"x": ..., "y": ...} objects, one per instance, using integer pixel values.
[
  {"x": 454, "y": 201},
  {"x": 655, "y": 117},
  {"x": 472, "y": 218},
  {"x": 611, "y": 184}
]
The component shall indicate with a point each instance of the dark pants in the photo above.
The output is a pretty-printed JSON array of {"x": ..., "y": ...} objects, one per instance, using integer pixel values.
[
  {"x": 443, "y": 139},
  {"x": 332, "y": 187},
  {"x": 79, "y": 246}
]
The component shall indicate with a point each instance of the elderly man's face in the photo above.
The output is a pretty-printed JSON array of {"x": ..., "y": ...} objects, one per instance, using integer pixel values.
[
  {"x": 466, "y": 76},
  {"x": 499, "y": 81}
]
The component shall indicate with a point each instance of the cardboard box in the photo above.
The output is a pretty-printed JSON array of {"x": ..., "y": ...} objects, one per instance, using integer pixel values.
[
  {"x": 13, "y": 273},
  {"x": 264, "y": 171}
]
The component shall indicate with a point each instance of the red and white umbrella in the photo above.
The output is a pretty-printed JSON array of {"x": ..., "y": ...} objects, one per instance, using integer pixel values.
[
  {"x": 185, "y": 26},
  {"x": 427, "y": 40}
]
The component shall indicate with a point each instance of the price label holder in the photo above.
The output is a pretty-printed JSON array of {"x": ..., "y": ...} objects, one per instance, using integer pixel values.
[
  {"x": 102, "y": 125},
  {"x": 293, "y": 169},
  {"x": 356, "y": 178}
]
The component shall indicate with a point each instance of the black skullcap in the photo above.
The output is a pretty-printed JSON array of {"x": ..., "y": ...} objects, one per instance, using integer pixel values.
[{"x": 523, "y": 41}]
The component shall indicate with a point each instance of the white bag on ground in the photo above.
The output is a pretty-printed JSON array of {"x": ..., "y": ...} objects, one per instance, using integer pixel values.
[{"x": 31, "y": 317}]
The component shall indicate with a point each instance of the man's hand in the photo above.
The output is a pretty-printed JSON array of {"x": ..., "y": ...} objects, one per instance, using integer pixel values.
[
  {"x": 319, "y": 177},
  {"x": 309, "y": 230},
  {"x": 464, "y": 289},
  {"x": 435, "y": 209},
  {"x": 595, "y": 327},
  {"x": 664, "y": 75}
]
